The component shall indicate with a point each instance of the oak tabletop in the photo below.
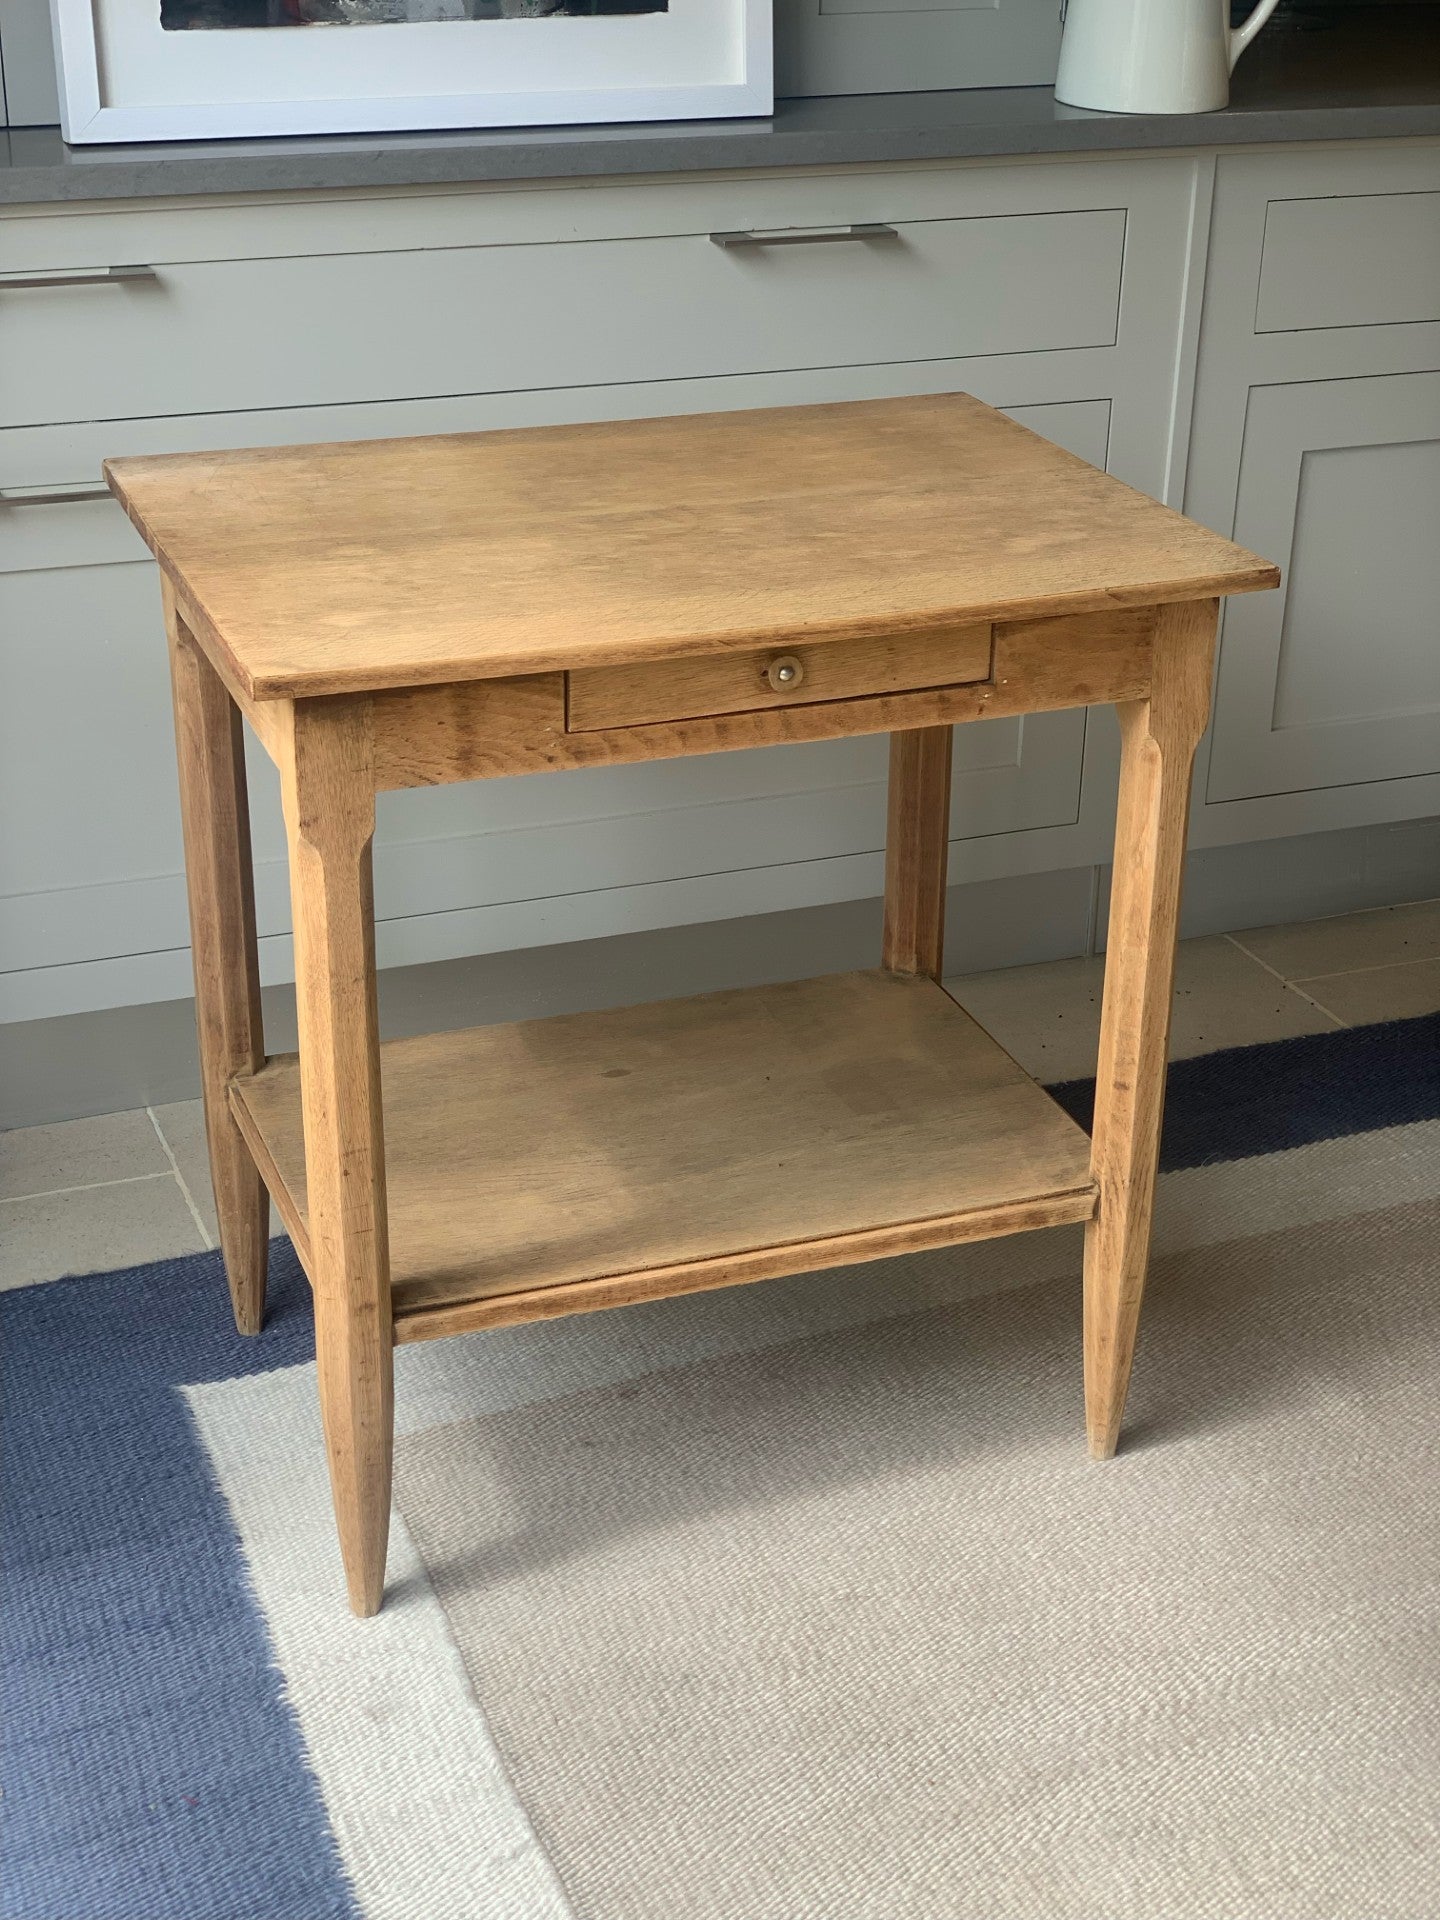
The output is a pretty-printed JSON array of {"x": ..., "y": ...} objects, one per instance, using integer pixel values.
[{"x": 383, "y": 563}]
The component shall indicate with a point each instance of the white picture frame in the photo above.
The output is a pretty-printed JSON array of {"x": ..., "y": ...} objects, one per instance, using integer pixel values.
[{"x": 123, "y": 77}]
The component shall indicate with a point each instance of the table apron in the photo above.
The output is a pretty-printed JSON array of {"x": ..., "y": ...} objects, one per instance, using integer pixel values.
[{"x": 483, "y": 729}]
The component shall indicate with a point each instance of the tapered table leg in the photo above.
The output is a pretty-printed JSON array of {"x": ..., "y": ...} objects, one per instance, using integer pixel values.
[
  {"x": 1159, "y": 737},
  {"x": 215, "y": 815},
  {"x": 917, "y": 840},
  {"x": 327, "y": 785}
]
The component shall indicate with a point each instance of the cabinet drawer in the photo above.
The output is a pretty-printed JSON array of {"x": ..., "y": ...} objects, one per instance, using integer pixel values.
[
  {"x": 1358, "y": 260},
  {"x": 198, "y": 336},
  {"x": 630, "y": 696}
]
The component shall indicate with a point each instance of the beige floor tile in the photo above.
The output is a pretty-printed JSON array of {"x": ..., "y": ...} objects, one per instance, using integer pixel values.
[
  {"x": 79, "y": 1153},
  {"x": 183, "y": 1125},
  {"x": 1048, "y": 1016},
  {"x": 1386, "y": 937},
  {"x": 1379, "y": 993},
  {"x": 94, "y": 1229}
]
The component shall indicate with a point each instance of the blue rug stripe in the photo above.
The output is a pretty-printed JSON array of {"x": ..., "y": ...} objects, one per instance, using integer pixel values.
[
  {"x": 1246, "y": 1101},
  {"x": 153, "y": 1770}
]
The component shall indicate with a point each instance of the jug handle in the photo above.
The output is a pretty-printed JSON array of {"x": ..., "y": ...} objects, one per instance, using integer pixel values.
[{"x": 1241, "y": 37}]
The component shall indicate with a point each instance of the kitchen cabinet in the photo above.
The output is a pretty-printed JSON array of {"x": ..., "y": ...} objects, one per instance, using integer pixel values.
[
  {"x": 1316, "y": 440},
  {"x": 1271, "y": 358},
  {"x": 1054, "y": 291},
  {"x": 1339, "y": 685}
]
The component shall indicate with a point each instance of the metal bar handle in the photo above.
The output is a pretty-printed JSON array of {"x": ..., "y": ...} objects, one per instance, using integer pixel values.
[
  {"x": 53, "y": 496},
  {"x": 79, "y": 277},
  {"x": 816, "y": 237}
]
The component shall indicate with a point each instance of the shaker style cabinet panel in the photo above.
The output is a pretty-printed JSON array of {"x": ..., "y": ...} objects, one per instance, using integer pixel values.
[
  {"x": 1338, "y": 680},
  {"x": 1316, "y": 441},
  {"x": 88, "y": 899},
  {"x": 205, "y": 335},
  {"x": 1353, "y": 260}
]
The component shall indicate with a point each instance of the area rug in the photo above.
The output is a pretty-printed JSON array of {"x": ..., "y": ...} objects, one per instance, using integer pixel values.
[{"x": 794, "y": 1600}]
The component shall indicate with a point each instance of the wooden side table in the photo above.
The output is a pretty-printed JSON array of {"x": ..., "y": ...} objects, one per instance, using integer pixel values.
[{"x": 402, "y": 613}]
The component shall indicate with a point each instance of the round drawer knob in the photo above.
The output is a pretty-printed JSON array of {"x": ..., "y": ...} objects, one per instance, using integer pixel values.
[{"x": 785, "y": 672}]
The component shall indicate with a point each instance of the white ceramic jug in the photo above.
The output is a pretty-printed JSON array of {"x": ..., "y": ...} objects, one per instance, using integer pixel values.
[{"x": 1152, "y": 56}]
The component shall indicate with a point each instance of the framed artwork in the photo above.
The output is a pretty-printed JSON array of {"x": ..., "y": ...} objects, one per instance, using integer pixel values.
[{"x": 208, "y": 69}]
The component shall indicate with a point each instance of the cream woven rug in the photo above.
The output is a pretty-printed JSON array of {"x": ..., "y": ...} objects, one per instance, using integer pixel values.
[
  {"x": 803, "y": 1602},
  {"x": 851, "y": 1626}
]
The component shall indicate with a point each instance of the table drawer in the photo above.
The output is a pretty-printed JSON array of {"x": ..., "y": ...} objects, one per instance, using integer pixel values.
[
  {"x": 797, "y": 676},
  {"x": 1355, "y": 260},
  {"x": 200, "y": 336}
]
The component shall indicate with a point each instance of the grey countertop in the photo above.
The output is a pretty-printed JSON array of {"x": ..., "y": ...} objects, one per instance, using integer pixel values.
[{"x": 1342, "y": 82}]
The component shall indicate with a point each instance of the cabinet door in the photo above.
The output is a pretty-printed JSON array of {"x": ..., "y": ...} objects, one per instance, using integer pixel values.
[
  {"x": 1335, "y": 680},
  {"x": 1315, "y": 440},
  {"x": 904, "y": 46}
]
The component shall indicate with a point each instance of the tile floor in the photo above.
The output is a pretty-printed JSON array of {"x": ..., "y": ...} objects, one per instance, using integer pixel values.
[{"x": 88, "y": 1195}]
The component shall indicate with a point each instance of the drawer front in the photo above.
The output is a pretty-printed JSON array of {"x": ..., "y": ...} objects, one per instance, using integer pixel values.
[
  {"x": 1359, "y": 260},
  {"x": 197, "y": 336},
  {"x": 631, "y": 696}
]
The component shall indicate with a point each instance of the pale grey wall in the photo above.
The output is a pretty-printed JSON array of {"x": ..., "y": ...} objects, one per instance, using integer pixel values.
[
  {"x": 895, "y": 46},
  {"x": 30, "y": 94}
]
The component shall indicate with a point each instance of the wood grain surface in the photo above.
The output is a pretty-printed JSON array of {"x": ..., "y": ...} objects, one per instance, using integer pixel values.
[
  {"x": 1158, "y": 741},
  {"x": 220, "y": 886},
  {"x": 476, "y": 729},
  {"x": 645, "y": 1139},
  {"x": 393, "y": 563},
  {"x": 917, "y": 849},
  {"x": 328, "y": 795},
  {"x": 743, "y": 1269}
]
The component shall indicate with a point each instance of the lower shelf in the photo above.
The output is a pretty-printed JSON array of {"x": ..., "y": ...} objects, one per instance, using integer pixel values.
[{"x": 592, "y": 1159}]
